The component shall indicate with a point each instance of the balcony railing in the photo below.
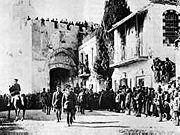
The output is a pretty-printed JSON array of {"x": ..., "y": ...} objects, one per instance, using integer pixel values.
[
  {"x": 84, "y": 70},
  {"x": 129, "y": 61}
]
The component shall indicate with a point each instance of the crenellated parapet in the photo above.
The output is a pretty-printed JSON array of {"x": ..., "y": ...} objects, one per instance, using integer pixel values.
[{"x": 55, "y": 43}]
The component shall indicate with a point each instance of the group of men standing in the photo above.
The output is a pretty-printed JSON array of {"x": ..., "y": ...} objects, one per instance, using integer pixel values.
[
  {"x": 61, "y": 101},
  {"x": 66, "y": 100},
  {"x": 151, "y": 102}
]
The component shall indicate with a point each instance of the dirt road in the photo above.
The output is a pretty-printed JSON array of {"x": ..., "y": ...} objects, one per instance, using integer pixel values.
[{"x": 92, "y": 123}]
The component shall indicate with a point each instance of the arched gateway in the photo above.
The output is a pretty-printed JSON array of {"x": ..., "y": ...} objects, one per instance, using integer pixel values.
[{"x": 62, "y": 67}]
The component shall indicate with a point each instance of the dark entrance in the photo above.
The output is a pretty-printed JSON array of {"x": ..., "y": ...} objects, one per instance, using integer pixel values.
[{"x": 58, "y": 76}]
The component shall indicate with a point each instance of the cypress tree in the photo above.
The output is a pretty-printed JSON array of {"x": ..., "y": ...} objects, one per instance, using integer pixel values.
[{"x": 114, "y": 11}]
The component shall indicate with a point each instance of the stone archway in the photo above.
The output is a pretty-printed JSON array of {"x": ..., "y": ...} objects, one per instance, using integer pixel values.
[
  {"x": 62, "y": 66},
  {"x": 69, "y": 53}
]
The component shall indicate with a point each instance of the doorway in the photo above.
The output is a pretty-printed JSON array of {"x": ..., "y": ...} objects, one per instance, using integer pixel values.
[{"x": 58, "y": 76}]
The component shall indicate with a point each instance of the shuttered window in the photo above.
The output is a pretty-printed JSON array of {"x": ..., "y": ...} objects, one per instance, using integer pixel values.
[{"x": 170, "y": 26}]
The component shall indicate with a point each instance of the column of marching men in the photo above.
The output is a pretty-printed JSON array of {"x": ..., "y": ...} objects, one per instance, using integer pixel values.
[{"x": 163, "y": 103}]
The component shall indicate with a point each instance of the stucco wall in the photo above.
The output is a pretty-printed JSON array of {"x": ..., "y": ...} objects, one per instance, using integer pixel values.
[
  {"x": 89, "y": 48},
  {"x": 139, "y": 69},
  {"x": 152, "y": 46}
]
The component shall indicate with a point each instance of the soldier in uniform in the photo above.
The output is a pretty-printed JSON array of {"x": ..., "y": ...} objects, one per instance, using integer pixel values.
[
  {"x": 166, "y": 107},
  {"x": 43, "y": 100},
  {"x": 176, "y": 106},
  {"x": 82, "y": 100},
  {"x": 122, "y": 99},
  {"x": 160, "y": 103},
  {"x": 90, "y": 98},
  {"x": 128, "y": 100},
  {"x": 139, "y": 99},
  {"x": 134, "y": 94},
  {"x": 56, "y": 102},
  {"x": 68, "y": 103},
  {"x": 48, "y": 102},
  {"x": 15, "y": 92}
]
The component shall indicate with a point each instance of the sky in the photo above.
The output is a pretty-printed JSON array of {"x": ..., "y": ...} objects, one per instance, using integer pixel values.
[
  {"x": 136, "y": 4},
  {"x": 90, "y": 10},
  {"x": 70, "y": 9}
]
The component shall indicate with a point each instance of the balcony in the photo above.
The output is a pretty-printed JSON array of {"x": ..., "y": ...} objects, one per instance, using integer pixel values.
[
  {"x": 129, "y": 61},
  {"x": 84, "y": 71}
]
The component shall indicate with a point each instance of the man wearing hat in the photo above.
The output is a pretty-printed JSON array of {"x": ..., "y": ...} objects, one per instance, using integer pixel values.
[
  {"x": 56, "y": 102},
  {"x": 16, "y": 88},
  {"x": 160, "y": 102},
  {"x": 15, "y": 91},
  {"x": 68, "y": 103}
]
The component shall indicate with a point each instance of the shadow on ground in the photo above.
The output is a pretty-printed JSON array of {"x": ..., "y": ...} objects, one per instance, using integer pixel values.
[
  {"x": 96, "y": 113},
  {"x": 97, "y": 122},
  {"x": 5, "y": 120},
  {"x": 102, "y": 126},
  {"x": 7, "y": 125},
  {"x": 145, "y": 132}
]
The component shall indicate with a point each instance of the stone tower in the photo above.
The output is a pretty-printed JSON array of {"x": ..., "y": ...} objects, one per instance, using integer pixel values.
[{"x": 21, "y": 9}]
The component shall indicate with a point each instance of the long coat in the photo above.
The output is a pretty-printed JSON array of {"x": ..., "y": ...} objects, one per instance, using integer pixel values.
[
  {"x": 69, "y": 101},
  {"x": 57, "y": 100},
  {"x": 15, "y": 89}
]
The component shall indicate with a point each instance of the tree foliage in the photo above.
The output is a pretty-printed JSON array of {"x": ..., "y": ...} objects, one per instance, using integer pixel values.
[
  {"x": 114, "y": 11},
  {"x": 102, "y": 60}
]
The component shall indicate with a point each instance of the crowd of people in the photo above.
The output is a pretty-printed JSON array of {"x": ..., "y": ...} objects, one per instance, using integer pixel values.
[
  {"x": 163, "y": 103},
  {"x": 69, "y": 100},
  {"x": 81, "y": 24}
]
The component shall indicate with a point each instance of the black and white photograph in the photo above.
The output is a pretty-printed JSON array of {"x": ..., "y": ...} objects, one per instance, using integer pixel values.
[{"x": 89, "y": 67}]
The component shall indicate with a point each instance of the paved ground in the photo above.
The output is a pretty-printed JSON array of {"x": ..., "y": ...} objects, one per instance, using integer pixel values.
[{"x": 92, "y": 123}]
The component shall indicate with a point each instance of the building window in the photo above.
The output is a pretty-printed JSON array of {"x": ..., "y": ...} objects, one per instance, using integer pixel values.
[
  {"x": 87, "y": 57},
  {"x": 115, "y": 85},
  {"x": 140, "y": 81},
  {"x": 82, "y": 59},
  {"x": 92, "y": 55},
  {"x": 123, "y": 82},
  {"x": 170, "y": 26}
]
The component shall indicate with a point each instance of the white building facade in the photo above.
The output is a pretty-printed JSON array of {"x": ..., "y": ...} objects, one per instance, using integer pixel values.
[
  {"x": 145, "y": 34},
  {"x": 87, "y": 56}
]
